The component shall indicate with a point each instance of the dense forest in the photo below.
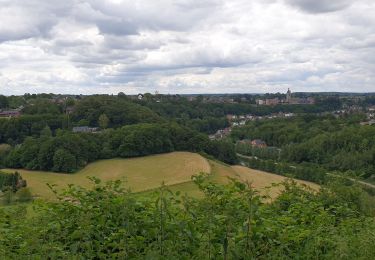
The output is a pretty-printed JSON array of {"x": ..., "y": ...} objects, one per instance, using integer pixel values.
[
  {"x": 68, "y": 152},
  {"x": 340, "y": 144},
  {"x": 42, "y": 138}
]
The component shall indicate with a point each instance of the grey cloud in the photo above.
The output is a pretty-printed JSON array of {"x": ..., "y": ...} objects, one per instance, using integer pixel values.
[
  {"x": 320, "y": 6},
  {"x": 28, "y": 19},
  {"x": 154, "y": 15},
  {"x": 183, "y": 46},
  {"x": 117, "y": 27}
]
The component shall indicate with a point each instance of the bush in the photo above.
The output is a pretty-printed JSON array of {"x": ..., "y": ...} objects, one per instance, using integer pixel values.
[
  {"x": 24, "y": 195},
  {"x": 229, "y": 222},
  {"x": 64, "y": 161}
]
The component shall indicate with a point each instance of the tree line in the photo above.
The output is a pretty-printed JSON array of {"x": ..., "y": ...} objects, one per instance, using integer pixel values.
[
  {"x": 68, "y": 152},
  {"x": 335, "y": 144}
]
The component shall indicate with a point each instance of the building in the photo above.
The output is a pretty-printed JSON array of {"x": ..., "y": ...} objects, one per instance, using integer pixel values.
[
  {"x": 10, "y": 113},
  {"x": 298, "y": 101},
  {"x": 258, "y": 143},
  {"x": 85, "y": 129},
  {"x": 69, "y": 110},
  {"x": 288, "y": 96},
  {"x": 272, "y": 101},
  {"x": 370, "y": 122},
  {"x": 288, "y": 100},
  {"x": 288, "y": 114},
  {"x": 231, "y": 117},
  {"x": 221, "y": 134},
  {"x": 140, "y": 96},
  {"x": 245, "y": 141}
]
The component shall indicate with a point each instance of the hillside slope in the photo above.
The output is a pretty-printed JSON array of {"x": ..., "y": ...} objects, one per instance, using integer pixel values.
[
  {"x": 140, "y": 174},
  {"x": 260, "y": 180},
  {"x": 148, "y": 173}
]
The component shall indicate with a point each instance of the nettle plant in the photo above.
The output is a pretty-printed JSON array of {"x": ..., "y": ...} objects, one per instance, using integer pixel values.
[{"x": 230, "y": 221}]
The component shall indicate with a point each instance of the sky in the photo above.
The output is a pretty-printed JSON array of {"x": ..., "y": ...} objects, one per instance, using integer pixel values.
[{"x": 186, "y": 46}]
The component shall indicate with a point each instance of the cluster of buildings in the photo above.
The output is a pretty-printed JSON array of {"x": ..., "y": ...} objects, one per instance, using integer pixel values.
[
  {"x": 354, "y": 109},
  {"x": 370, "y": 116},
  {"x": 218, "y": 99},
  {"x": 288, "y": 100},
  {"x": 10, "y": 113},
  {"x": 254, "y": 143},
  {"x": 85, "y": 129},
  {"x": 221, "y": 133},
  {"x": 241, "y": 120}
]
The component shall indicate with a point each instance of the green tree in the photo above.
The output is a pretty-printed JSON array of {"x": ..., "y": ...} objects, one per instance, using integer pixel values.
[
  {"x": 103, "y": 121},
  {"x": 46, "y": 132},
  {"x": 3, "y": 101},
  {"x": 64, "y": 161}
]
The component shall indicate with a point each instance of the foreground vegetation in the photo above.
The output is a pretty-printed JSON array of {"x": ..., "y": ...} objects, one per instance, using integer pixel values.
[{"x": 230, "y": 222}]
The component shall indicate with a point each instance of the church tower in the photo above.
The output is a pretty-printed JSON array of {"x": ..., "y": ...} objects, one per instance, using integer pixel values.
[{"x": 288, "y": 96}]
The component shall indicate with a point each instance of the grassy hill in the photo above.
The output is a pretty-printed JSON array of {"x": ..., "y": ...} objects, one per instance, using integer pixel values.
[
  {"x": 147, "y": 173},
  {"x": 260, "y": 180},
  {"x": 141, "y": 174}
]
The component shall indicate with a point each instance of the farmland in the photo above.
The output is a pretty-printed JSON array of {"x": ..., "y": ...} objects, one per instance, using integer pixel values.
[{"x": 147, "y": 173}]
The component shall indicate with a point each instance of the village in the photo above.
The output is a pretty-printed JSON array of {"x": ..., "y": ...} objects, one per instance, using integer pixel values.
[
  {"x": 288, "y": 100},
  {"x": 241, "y": 120}
]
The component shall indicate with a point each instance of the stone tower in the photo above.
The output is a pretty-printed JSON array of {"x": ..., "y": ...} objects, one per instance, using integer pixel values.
[{"x": 288, "y": 96}]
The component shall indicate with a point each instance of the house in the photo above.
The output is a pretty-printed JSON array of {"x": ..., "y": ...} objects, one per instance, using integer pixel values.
[
  {"x": 10, "y": 113},
  {"x": 69, "y": 110},
  {"x": 272, "y": 101},
  {"x": 298, "y": 101},
  {"x": 245, "y": 141},
  {"x": 84, "y": 129},
  {"x": 231, "y": 117},
  {"x": 258, "y": 143},
  {"x": 140, "y": 96},
  {"x": 220, "y": 133}
]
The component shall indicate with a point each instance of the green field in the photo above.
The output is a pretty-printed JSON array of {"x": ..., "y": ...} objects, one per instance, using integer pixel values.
[
  {"x": 139, "y": 173},
  {"x": 147, "y": 173}
]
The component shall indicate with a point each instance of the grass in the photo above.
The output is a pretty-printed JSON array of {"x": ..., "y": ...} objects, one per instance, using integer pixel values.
[
  {"x": 145, "y": 174},
  {"x": 140, "y": 174},
  {"x": 260, "y": 180},
  {"x": 218, "y": 174}
]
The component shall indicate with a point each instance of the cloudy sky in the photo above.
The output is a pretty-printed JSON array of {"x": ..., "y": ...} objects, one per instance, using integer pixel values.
[{"x": 186, "y": 46}]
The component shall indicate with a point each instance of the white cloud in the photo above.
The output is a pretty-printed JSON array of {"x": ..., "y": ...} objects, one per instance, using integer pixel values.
[{"x": 186, "y": 46}]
